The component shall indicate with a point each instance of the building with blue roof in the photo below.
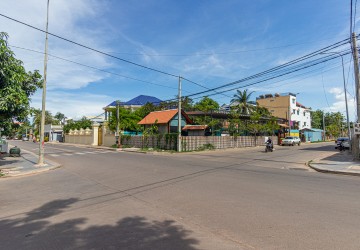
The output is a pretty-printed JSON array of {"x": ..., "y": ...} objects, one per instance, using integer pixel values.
[{"x": 133, "y": 104}]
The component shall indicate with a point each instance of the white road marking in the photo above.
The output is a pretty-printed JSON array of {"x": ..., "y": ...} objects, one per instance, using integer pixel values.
[{"x": 54, "y": 155}]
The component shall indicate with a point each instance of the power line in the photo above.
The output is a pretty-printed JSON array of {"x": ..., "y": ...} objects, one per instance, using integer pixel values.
[
  {"x": 269, "y": 78},
  {"x": 89, "y": 48},
  {"x": 318, "y": 52},
  {"x": 354, "y": 26},
  {"x": 91, "y": 67},
  {"x": 351, "y": 19},
  {"x": 198, "y": 84}
]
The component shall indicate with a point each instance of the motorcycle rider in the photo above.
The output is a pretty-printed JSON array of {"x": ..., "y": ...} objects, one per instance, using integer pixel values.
[{"x": 269, "y": 143}]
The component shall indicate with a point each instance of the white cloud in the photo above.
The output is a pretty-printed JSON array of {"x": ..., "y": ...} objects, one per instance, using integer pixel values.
[
  {"x": 66, "y": 19},
  {"x": 73, "y": 105},
  {"x": 340, "y": 105}
]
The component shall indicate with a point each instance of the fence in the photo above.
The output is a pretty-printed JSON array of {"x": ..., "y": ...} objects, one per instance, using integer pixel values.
[
  {"x": 162, "y": 141},
  {"x": 191, "y": 143},
  {"x": 82, "y": 136}
]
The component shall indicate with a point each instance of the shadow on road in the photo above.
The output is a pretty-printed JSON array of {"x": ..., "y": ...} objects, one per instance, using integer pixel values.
[
  {"x": 328, "y": 147},
  {"x": 35, "y": 231}
]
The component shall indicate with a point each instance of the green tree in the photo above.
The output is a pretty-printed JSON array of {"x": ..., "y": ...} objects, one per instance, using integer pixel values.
[
  {"x": 16, "y": 85},
  {"x": 60, "y": 117},
  {"x": 255, "y": 126},
  {"x": 83, "y": 123},
  {"x": 145, "y": 110},
  {"x": 128, "y": 120},
  {"x": 36, "y": 114},
  {"x": 317, "y": 119},
  {"x": 187, "y": 103},
  {"x": 206, "y": 104},
  {"x": 242, "y": 99}
]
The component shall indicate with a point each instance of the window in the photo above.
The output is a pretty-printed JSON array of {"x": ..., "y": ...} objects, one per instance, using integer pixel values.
[
  {"x": 304, "y": 113},
  {"x": 272, "y": 111},
  {"x": 304, "y": 124},
  {"x": 293, "y": 100},
  {"x": 293, "y": 111},
  {"x": 298, "y": 112}
]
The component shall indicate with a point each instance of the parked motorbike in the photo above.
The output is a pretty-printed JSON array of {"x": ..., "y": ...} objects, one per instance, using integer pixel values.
[{"x": 269, "y": 147}]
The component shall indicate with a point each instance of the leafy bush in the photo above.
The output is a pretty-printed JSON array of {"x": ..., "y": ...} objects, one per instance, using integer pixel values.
[{"x": 207, "y": 146}]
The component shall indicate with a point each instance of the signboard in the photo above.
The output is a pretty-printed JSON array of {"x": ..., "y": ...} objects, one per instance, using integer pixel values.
[{"x": 357, "y": 128}]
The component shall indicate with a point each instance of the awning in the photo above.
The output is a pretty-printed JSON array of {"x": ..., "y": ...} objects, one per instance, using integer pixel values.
[{"x": 283, "y": 125}]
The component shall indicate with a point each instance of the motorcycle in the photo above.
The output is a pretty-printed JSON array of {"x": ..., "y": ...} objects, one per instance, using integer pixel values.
[
  {"x": 344, "y": 145},
  {"x": 269, "y": 147}
]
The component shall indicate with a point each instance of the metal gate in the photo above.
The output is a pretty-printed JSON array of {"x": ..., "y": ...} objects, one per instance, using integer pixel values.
[{"x": 100, "y": 136}]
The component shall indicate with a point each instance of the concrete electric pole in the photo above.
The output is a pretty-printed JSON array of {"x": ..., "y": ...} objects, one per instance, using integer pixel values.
[
  {"x": 179, "y": 117},
  {"x": 118, "y": 124},
  {"x": 42, "y": 125},
  {"x": 357, "y": 85}
]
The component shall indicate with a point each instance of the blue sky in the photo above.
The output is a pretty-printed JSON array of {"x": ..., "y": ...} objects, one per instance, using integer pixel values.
[{"x": 209, "y": 42}]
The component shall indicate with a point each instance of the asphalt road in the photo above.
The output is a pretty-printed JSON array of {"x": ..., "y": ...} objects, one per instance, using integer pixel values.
[{"x": 232, "y": 199}]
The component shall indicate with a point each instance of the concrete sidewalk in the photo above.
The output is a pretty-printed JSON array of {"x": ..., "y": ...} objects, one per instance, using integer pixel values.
[
  {"x": 337, "y": 162},
  {"x": 24, "y": 165}
]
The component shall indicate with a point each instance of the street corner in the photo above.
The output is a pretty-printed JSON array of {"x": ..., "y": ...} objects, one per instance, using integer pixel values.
[{"x": 24, "y": 164}]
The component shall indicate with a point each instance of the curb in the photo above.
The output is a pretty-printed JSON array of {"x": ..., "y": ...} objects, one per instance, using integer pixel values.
[
  {"x": 321, "y": 170},
  {"x": 51, "y": 166}
]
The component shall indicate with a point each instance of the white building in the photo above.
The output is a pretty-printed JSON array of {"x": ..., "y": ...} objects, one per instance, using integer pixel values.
[{"x": 286, "y": 106}]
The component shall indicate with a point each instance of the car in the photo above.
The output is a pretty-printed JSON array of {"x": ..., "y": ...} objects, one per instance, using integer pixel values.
[
  {"x": 25, "y": 139},
  {"x": 291, "y": 141},
  {"x": 340, "y": 140}
]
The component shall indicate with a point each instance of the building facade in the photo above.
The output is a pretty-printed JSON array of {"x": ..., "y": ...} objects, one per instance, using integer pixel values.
[{"x": 285, "y": 106}]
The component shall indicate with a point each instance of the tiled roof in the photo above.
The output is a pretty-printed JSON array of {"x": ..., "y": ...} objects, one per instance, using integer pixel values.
[
  {"x": 195, "y": 127},
  {"x": 139, "y": 100},
  {"x": 300, "y": 105},
  {"x": 161, "y": 117}
]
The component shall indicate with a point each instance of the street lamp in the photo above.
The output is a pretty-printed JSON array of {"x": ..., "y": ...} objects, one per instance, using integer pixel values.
[{"x": 346, "y": 103}]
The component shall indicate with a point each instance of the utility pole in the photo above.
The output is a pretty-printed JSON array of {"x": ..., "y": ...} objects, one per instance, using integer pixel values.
[
  {"x": 290, "y": 120},
  {"x": 42, "y": 125},
  {"x": 345, "y": 92},
  {"x": 118, "y": 124},
  {"x": 179, "y": 117},
  {"x": 357, "y": 88},
  {"x": 324, "y": 126}
]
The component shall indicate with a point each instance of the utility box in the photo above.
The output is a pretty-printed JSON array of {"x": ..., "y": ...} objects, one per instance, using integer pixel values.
[{"x": 3, "y": 146}]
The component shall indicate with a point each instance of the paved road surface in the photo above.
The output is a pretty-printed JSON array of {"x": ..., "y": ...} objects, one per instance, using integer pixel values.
[{"x": 232, "y": 199}]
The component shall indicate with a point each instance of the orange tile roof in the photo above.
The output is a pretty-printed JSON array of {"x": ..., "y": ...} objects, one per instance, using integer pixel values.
[{"x": 162, "y": 117}]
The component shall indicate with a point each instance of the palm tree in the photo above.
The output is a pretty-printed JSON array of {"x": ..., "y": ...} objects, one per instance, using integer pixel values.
[
  {"x": 60, "y": 117},
  {"x": 36, "y": 114},
  {"x": 242, "y": 99}
]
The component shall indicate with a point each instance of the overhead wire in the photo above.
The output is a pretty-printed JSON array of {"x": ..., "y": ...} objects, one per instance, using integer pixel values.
[
  {"x": 89, "y": 48},
  {"x": 257, "y": 76},
  {"x": 274, "y": 69},
  {"x": 92, "y": 67},
  {"x": 264, "y": 73},
  {"x": 269, "y": 78}
]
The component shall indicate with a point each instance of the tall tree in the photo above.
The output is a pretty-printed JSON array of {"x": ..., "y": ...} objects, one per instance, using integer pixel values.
[
  {"x": 242, "y": 99},
  {"x": 128, "y": 120},
  {"x": 206, "y": 104},
  {"x": 60, "y": 117},
  {"x": 145, "y": 110},
  {"x": 16, "y": 85},
  {"x": 317, "y": 119},
  {"x": 36, "y": 114}
]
